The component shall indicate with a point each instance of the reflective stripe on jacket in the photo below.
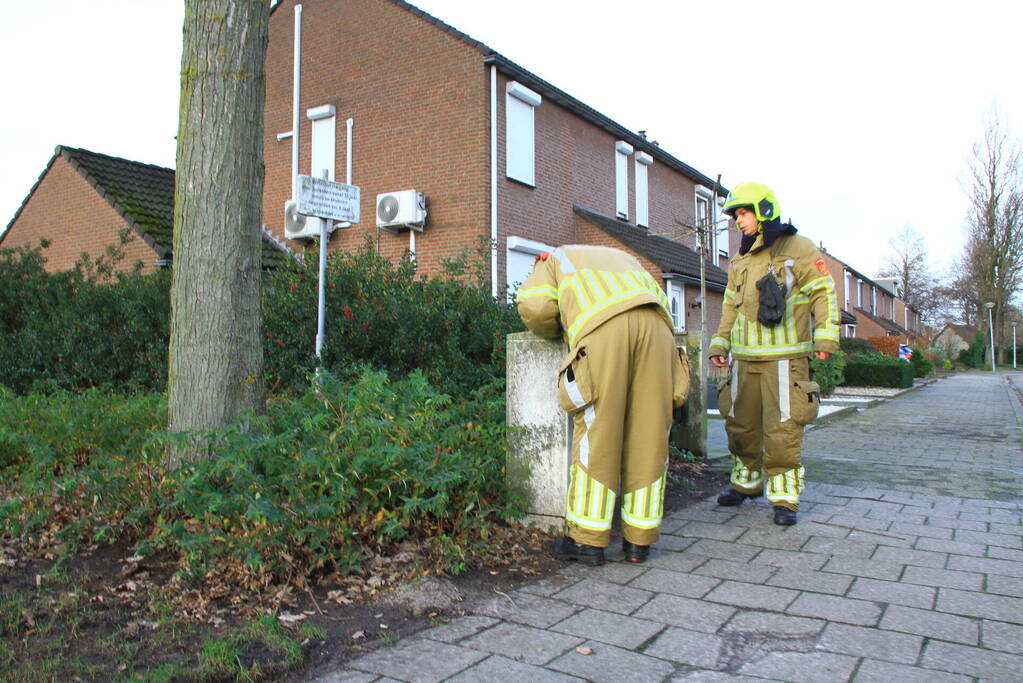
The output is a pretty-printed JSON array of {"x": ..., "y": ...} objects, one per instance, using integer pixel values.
[
  {"x": 578, "y": 287},
  {"x": 810, "y": 300}
]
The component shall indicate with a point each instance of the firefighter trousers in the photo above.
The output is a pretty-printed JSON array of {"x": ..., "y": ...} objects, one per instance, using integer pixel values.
[
  {"x": 617, "y": 384},
  {"x": 766, "y": 405}
]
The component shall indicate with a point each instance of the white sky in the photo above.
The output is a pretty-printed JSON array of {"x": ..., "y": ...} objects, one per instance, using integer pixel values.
[{"x": 860, "y": 116}]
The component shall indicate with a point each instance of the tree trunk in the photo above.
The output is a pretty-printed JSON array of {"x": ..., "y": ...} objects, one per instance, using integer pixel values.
[{"x": 216, "y": 354}]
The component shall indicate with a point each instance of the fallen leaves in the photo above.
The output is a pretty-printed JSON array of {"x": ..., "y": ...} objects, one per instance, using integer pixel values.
[
  {"x": 586, "y": 651},
  {"x": 289, "y": 619}
]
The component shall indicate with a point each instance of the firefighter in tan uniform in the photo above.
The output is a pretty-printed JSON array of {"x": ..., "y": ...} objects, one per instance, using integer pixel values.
[
  {"x": 780, "y": 306},
  {"x": 620, "y": 381}
]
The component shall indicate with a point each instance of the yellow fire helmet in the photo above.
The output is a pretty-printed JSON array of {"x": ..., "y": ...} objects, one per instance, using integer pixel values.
[{"x": 756, "y": 197}]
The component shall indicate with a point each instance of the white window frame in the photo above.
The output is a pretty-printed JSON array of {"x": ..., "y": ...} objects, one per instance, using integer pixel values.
[
  {"x": 521, "y": 245},
  {"x": 859, "y": 293},
  {"x": 704, "y": 194},
  {"x": 845, "y": 286},
  {"x": 677, "y": 288},
  {"x": 873, "y": 299},
  {"x": 520, "y": 133},
  {"x": 643, "y": 163},
  {"x": 623, "y": 151}
]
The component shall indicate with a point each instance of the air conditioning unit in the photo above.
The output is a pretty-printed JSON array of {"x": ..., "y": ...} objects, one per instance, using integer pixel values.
[
  {"x": 298, "y": 227},
  {"x": 405, "y": 209}
]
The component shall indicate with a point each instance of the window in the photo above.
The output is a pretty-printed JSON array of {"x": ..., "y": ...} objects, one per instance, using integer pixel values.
[
  {"x": 519, "y": 136},
  {"x": 859, "y": 294},
  {"x": 643, "y": 162},
  {"x": 323, "y": 142},
  {"x": 848, "y": 282},
  {"x": 521, "y": 255},
  {"x": 677, "y": 303},
  {"x": 622, "y": 152},
  {"x": 705, "y": 222},
  {"x": 873, "y": 300}
]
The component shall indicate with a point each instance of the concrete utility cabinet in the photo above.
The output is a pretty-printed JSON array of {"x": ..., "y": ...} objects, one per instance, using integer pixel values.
[{"x": 539, "y": 447}]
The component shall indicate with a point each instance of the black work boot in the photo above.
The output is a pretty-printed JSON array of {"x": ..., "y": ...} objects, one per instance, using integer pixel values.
[
  {"x": 730, "y": 497},
  {"x": 565, "y": 548},
  {"x": 635, "y": 553},
  {"x": 784, "y": 516}
]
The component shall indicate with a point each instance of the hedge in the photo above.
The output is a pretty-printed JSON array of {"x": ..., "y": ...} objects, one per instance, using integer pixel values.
[
  {"x": 879, "y": 371},
  {"x": 91, "y": 327}
]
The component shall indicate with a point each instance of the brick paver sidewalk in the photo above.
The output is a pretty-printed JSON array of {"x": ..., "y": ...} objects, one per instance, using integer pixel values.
[{"x": 906, "y": 565}]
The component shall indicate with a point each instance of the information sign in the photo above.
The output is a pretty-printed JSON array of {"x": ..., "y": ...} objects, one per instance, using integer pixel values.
[{"x": 328, "y": 199}]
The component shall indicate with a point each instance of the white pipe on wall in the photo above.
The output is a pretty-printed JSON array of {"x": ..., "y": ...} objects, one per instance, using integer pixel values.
[
  {"x": 350, "y": 123},
  {"x": 296, "y": 81},
  {"x": 493, "y": 181}
]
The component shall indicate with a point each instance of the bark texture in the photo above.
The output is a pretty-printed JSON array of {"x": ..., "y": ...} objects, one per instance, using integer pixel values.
[{"x": 216, "y": 354}]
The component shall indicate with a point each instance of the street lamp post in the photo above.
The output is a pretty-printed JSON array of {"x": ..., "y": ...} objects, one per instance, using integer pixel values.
[{"x": 991, "y": 330}]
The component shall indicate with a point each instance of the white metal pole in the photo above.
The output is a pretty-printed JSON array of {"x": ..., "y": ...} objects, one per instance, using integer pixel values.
[
  {"x": 297, "y": 87},
  {"x": 1013, "y": 347},
  {"x": 991, "y": 329},
  {"x": 321, "y": 337}
]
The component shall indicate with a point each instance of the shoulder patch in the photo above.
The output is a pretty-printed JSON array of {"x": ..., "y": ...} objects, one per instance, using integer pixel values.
[
  {"x": 820, "y": 265},
  {"x": 543, "y": 257}
]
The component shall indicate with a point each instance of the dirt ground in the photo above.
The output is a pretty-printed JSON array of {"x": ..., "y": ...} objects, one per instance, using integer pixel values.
[{"x": 103, "y": 615}]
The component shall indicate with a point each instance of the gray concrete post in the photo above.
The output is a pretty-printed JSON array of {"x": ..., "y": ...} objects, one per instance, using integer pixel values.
[{"x": 539, "y": 446}]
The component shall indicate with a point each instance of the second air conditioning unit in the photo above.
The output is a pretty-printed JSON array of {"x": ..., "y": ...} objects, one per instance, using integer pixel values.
[{"x": 398, "y": 210}]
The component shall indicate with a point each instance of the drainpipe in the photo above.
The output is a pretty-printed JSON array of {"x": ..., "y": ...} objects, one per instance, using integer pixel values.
[
  {"x": 493, "y": 181},
  {"x": 296, "y": 80}
]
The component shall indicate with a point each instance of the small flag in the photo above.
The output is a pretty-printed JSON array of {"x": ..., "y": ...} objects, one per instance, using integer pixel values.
[{"x": 905, "y": 353}]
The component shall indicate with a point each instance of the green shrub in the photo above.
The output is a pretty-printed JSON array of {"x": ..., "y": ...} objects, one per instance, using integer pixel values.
[
  {"x": 922, "y": 365},
  {"x": 879, "y": 371},
  {"x": 83, "y": 328},
  {"x": 309, "y": 487},
  {"x": 44, "y": 435},
  {"x": 853, "y": 347},
  {"x": 947, "y": 364},
  {"x": 973, "y": 356},
  {"x": 828, "y": 373},
  {"x": 381, "y": 314}
]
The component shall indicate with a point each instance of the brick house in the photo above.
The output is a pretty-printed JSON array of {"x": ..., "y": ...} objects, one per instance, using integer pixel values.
[
  {"x": 83, "y": 201},
  {"x": 500, "y": 154},
  {"x": 953, "y": 339},
  {"x": 871, "y": 307}
]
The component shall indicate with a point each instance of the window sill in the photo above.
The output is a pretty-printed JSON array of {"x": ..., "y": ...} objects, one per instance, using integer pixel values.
[{"x": 523, "y": 183}]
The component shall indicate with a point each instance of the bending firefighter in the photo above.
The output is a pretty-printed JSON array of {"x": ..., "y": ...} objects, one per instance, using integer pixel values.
[
  {"x": 779, "y": 307},
  {"x": 620, "y": 381}
]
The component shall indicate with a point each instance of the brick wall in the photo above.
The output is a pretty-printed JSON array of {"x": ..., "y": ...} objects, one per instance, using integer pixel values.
[
  {"x": 67, "y": 210},
  {"x": 575, "y": 164},
  {"x": 419, "y": 98}
]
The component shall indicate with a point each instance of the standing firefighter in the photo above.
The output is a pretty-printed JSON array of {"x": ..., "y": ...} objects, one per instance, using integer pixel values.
[
  {"x": 620, "y": 381},
  {"x": 779, "y": 307}
]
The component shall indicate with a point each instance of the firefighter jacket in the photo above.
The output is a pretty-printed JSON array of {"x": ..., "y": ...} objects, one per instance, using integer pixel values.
[
  {"x": 811, "y": 317},
  {"x": 575, "y": 288}
]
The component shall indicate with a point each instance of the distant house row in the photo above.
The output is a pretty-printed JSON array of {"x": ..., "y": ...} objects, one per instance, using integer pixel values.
[
  {"x": 872, "y": 307},
  {"x": 412, "y": 110}
]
